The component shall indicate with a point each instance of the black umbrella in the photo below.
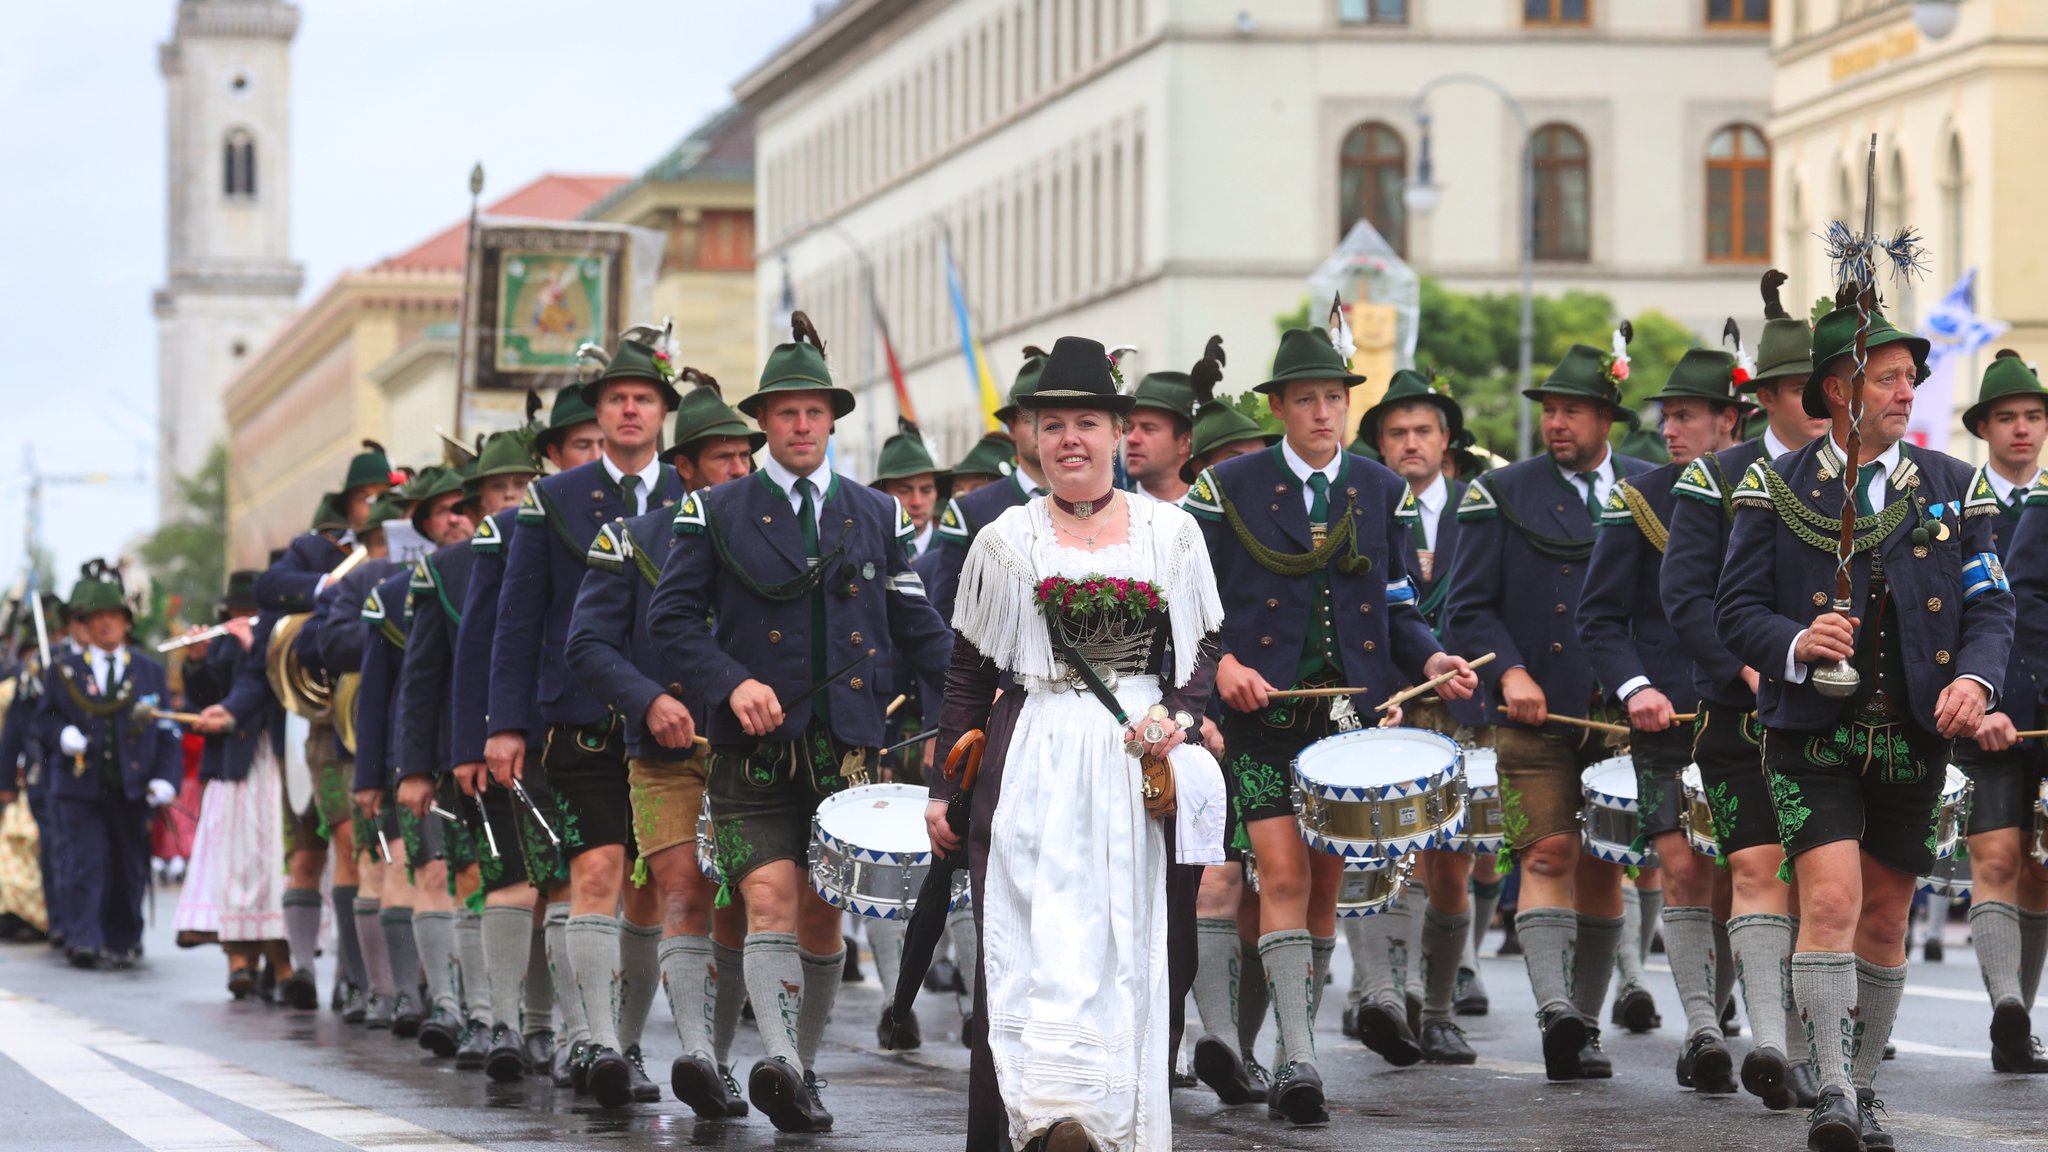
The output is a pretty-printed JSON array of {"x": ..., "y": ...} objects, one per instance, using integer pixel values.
[{"x": 935, "y": 899}]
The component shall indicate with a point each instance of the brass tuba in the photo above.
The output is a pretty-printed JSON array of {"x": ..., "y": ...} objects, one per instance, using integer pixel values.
[
  {"x": 302, "y": 691},
  {"x": 345, "y": 689}
]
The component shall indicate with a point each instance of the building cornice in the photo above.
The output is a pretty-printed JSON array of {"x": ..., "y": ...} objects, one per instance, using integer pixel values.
[
  {"x": 799, "y": 60},
  {"x": 238, "y": 19},
  {"x": 407, "y": 358},
  {"x": 325, "y": 323},
  {"x": 651, "y": 201},
  {"x": 1865, "y": 96}
]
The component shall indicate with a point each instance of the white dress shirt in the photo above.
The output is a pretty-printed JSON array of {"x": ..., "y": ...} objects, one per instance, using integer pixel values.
[
  {"x": 820, "y": 477},
  {"x": 1302, "y": 471},
  {"x": 649, "y": 477},
  {"x": 1603, "y": 479},
  {"x": 107, "y": 666},
  {"x": 1432, "y": 499}
]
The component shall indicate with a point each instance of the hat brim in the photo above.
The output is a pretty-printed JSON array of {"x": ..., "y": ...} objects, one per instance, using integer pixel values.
[
  {"x": 550, "y": 437},
  {"x": 1813, "y": 398},
  {"x": 756, "y": 439},
  {"x": 1781, "y": 372},
  {"x": 1349, "y": 379},
  {"x": 1115, "y": 402},
  {"x": 1620, "y": 412},
  {"x": 1369, "y": 424},
  {"x": 842, "y": 400},
  {"x": 1982, "y": 408},
  {"x": 592, "y": 389},
  {"x": 943, "y": 479}
]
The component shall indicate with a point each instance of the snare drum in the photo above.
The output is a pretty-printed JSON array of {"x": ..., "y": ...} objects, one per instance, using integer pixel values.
[
  {"x": 1484, "y": 831},
  {"x": 707, "y": 846},
  {"x": 1954, "y": 814},
  {"x": 1950, "y": 877},
  {"x": 2041, "y": 824},
  {"x": 1376, "y": 793},
  {"x": 1368, "y": 887},
  {"x": 1613, "y": 814},
  {"x": 870, "y": 851},
  {"x": 1697, "y": 818}
]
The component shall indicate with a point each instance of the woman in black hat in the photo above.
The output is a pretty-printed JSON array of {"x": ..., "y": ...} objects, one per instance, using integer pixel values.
[{"x": 1070, "y": 866}]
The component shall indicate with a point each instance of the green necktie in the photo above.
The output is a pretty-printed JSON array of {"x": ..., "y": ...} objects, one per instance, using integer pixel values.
[
  {"x": 807, "y": 512},
  {"x": 1319, "y": 507},
  {"x": 630, "y": 485},
  {"x": 1863, "y": 478},
  {"x": 1592, "y": 494}
]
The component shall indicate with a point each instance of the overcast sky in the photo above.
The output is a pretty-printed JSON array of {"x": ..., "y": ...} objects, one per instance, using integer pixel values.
[{"x": 393, "y": 100}]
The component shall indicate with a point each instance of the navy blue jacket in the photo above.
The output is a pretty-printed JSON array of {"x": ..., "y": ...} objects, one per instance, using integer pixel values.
[
  {"x": 427, "y": 679},
  {"x": 1437, "y": 588},
  {"x": 709, "y": 622},
  {"x": 1701, "y": 516},
  {"x": 469, "y": 719},
  {"x": 380, "y": 727},
  {"x": 332, "y": 640},
  {"x": 1383, "y": 640},
  {"x": 1955, "y": 609},
  {"x": 544, "y": 566},
  {"x": 963, "y": 519},
  {"x": 1518, "y": 600},
  {"x": 23, "y": 747},
  {"x": 1621, "y": 613},
  {"x": 287, "y": 586},
  {"x": 2021, "y": 541},
  {"x": 610, "y": 646},
  {"x": 258, "y": 713},
  {"x": 207, "y": 680},
  {"x": 145, "y": 751}
]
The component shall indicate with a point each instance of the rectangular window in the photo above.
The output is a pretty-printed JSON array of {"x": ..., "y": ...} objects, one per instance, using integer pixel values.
[
  {"x": 1372, "y": 11},
  {"x": 1751, "y": 14},
  {"x": 1557, "y": 11}
]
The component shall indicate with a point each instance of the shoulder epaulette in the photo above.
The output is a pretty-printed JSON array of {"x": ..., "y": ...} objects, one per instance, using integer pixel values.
[
  {"x": 953, "y": 523},
  {"x": 1409, "y": 510},
  {"x": 1615, "y": 509},
  {"x": 2037, "y": 496},
  {"x": 530, "y": 511},
  {"x": 691, "y": 516},
  {"x": 373, "y": 607},
  {"x": 1983, "y": 498},
  {"x": 905, "y": 530},
  {"x": 1205, "y": 499},
  {"x": 1478, "y": 504},
  {"x": 1752, "y": 488},
  {"x": 609, "y": 550},
  {"x": 487, "y": 538},
  {"x": 1697, "y": 482},
  {"x": 422, "y": 576}
]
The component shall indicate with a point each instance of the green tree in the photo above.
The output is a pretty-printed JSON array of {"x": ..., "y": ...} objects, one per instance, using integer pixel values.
[{"x": 187, "y": 555}]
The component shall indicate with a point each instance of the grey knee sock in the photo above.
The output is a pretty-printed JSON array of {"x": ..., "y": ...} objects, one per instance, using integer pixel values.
[
  {"x": 822, "y": 975},
  {"x": 1254, "y": 999},
  {"x": 1879, "y": 988},
  {"x": 507, "y": 935},
  {"x": 302, "y": 926},
  {"x": 593, "y": 943},
  {"x": 1599, "y": 938},
  {"x": 1356, "y": 940},
  {"x": 1627, "y": 961},
  {"x": 476, "y": 974},
  {"x": 1385, "y": 958},
  {"x": 1414, "y": 898},
  {"x": 639, "y": 978},
  {"x": 729, "y": 1001},
  {"x": 1995, "y": 930},
  {"x": 1216, "y": 976},
  {"x": 376, "y": 951},
  {"x": 885, "y": 939},
  {"x": 966, "y": 947},
  {"x": 1689, "y": 946},
  {"x": 1651, "y": 902},
  {"x": 1485, "y": 902},
  {"x": 562, "y": 974},
  {"x": 1290, "y": 963},
  {"x": 1443, "y": 945},
  {"x": 1824, "y": 984},
  {"x": 1321, "y": 949},
  {"x": 345, "y": 935},
  {"x": 435, "y": 932},
  {"x": 2033, "y": 949},
  {"x": 1724, "y": 970},
  {"x": 402, "y": 948},
  {"x": 1795, "y": 1026},
  {"x": 689, "y": 973},
  {"x": 538, "y": 1012},
  {"x": 1550, "y": 949},
  {"x": 775, "y": 982},
  {"x": 1762, "y": 943}
]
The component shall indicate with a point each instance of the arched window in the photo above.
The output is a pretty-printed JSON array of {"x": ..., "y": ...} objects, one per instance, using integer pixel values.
[
  {"x": 1370, "y": 172},
  {"x": 238, "y": 164},
  {"x": 1564, "y": 194},
  {"x": 1738, "y": 195}
]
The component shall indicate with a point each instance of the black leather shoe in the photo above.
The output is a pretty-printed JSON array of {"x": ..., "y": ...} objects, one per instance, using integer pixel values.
[
  {"x": 579, "y": 1066},
  {"x": 1510, "y": 941},
  {"x": 610, "y": 1078},
  {"x": 1635, "y": 1009},
  {"x": 1384, "y": 1028},
  {"x": 562, "y": 1068},
  {"x": 2012, "y": 1034},
  {"x": 905, "y": 1037},
  {"x": 506, "y": 1059},
  {"x": 779, "y": 1091},
  {"x": 356, "y": 1008},
  {"x": 299, "y": 991},
  {"x": 405, "y": 1016},
  {"x": 1444, "y": 1043},
  {"x": 696, "y": 1081},
  {"x": 1932, "y": 951},
  {"x": 338, "y": 998},
  {"x": 645, "y": 1091},
  {"x": 1219, "y": 1066},
  {"x": 1766, "y": 1076},
  {"x": 1471, "y": 999},
  {"x": 540, "y": 1050},
  {"x": 1835, "y": 1124},
  {"x": 1713, "y": 1069},
  {"x": 738, "y": 1106},
  {"x": 1805, "y": 1084},
  {"x": 472, "y": 1046},
  {"x": 441, "y": 1033},
  {"x": 1348, "y": 1023},
  {"x": 242, "y": 985},
  {"x": 2037, "y": 1060},
  {"x": 1414, "y": 1006},
  {"x": 1177, "y": 1080},
  {"x": 1261, "y": 1080},
  {"x": 942, "y": 976},
  {"x": 1297, "y": 1097},
  {"x": 1593, "y": 1061},
  {"x": 811, "y": 1085},
  {"x": 1875, "y": 1138},
  {"x": 1564, "y": 1038}
]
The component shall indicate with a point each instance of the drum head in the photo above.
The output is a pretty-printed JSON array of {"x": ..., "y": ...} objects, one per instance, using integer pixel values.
[
  {"x": 1953, "y": 784},
  {"x": 1691, "y": 780},
  {"x": 1372, "y": 759},
  {"x": 878, "y": 818},
  {"x": 1482, "y": 768},
  {"x": 1614, "y": 777}
]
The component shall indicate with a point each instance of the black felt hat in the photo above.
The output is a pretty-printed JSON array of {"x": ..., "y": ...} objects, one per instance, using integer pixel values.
[{"x": 1078, "y": 374}]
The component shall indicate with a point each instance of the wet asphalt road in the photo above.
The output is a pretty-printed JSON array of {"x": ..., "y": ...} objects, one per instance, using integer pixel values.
[{"x": 158, "y": 1058}]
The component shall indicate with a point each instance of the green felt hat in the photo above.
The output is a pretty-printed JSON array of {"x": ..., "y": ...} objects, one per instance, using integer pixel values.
[
  {"x": 327, "y": 516},
  {"x": 1025, "y": 384},
  {"x": 1168, "y": 392},
  {"x": 570, "y": 409},
  {"x": 2006, "y": 375},
  {"x": 1834, "y": 336},
  {"x": 1787, "y": 345},
  {"x": 1217, "y": 425},
  {"x": 995, "y": 454},
  {"x": 1587, "y": 373},
  {"x": 1464, "y": 449},
  {"x": 98, "y": 590},
  {"x": 504, "y": 454},
  {"x": 1078, "y": 374},
  {"x": 1644, "y": 444},
  {"x": 370, "y": 466},
  {"x": 904, "y": 455},
  {"x": 1704, "y": 374},
  {"x": 1408, "y": 386},
  {"x": 1307, "y": 354},
  {"x": 798, "y": 366},
  {"x": 703, "y": 413},
  {"x": 633, "y": 359}
]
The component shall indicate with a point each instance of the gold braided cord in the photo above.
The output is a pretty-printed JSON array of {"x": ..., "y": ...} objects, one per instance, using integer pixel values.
[
  {"x": 1291, "y": 563},
  {"x": 1818, "y": 531},
  {"x": 97, "y": 709},
  {"x": 1647, "y": 523}
]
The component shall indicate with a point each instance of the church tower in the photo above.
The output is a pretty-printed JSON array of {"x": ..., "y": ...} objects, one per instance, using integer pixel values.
[{"x": 229, "y": 279}]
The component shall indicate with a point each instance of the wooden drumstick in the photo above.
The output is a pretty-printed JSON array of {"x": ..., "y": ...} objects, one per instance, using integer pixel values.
[
  {"x": 1684, "y": 717},
  {"x": 2031, "y": 734},
  {"x": 1407, "y": 694},
  {"x": 893, "y": 706},
  {"x": 1574, "y": 721}
]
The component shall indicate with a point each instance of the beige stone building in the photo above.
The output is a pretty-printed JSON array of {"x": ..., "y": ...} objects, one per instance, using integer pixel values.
[
  {"x": 1153, "y": 171},
  {"x": 1956, "y": 99}
]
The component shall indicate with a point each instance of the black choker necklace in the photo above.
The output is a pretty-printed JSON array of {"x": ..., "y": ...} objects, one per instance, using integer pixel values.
[{"x": 1083, "y": 509}]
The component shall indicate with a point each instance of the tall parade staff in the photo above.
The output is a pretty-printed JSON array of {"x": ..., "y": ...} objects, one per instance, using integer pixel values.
[
  {"x": 2008, "y": 883},
  {"x": 804, "y": 589},
  {"x": 1632, "y": 646},
  {"x": 611, "y": 650},
  {"x": 1526, "y": 531},
  {"x": 1727, "y": 737},
  {"x": 534, "y": 695},
  {"x": 1864, "y": 687},
  {"x": 1412, "y": 428},
  {"x": 1294, "y": 534}
]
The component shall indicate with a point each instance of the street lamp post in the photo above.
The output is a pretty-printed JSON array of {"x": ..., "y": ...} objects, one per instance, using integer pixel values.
[{"x": 1423, "y": 194}]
